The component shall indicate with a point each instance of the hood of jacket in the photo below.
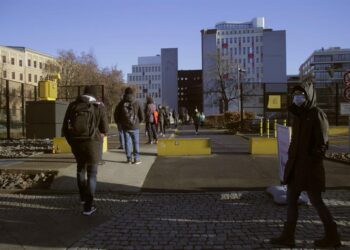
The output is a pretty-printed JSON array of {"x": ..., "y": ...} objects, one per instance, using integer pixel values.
[
  {"x": 86, "y": 98},
  {"x": 310, "y": 96}
]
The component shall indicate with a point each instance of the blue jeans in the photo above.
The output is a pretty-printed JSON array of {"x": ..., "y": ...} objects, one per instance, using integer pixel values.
[
  {"x": 121, "y": 136},
  {"x": 87, "y": 187},
  {"x": 132, "y": 140}
]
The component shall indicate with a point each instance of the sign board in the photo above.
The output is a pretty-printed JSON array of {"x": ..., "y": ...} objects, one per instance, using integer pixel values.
[
  {"x": 274, "y": 102},
  {"x": 345, "y": 108},
  {"x": 284, "y": 135}
]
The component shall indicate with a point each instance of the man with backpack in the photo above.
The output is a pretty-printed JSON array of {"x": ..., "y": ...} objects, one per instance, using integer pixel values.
[
  {"x": 129, "y": 114},
  {"x": 84, "y": 127},
  {"x": 150, "y": 119}
]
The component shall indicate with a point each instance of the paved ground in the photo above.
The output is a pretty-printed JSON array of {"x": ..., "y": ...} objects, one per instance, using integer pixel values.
[
  {"x": 167, "y": 219},
  {"x": 220, "y": 220}
]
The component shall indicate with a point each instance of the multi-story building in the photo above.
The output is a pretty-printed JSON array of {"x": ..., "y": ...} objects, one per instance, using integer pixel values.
[
  {"x": 156, "y": 76},
  {"x": 319, "y": 64},
  {"x": 190, "y": 90},
  {"x": 258, "y": 52},
  {"x": 23, "y": 65},
  {"x": 326, "y": 68}
]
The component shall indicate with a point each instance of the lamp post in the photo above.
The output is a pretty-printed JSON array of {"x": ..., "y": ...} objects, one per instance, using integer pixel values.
[{"x": 239, "y": 71}]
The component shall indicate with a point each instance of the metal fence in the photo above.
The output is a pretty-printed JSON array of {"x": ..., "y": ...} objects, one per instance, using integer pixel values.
[
  {"x": 255, "y": 98},
  {"x": 13, "y": 98}
]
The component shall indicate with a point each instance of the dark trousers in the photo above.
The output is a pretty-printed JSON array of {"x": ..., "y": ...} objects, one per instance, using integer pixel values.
[
  {"x": 162, "y": 127},
  {"x": 87, "y": 186},
  {"x": 151, "y": 130},
  {"x": 315, "y": 199},
  {"x": 196, "y": 125}
]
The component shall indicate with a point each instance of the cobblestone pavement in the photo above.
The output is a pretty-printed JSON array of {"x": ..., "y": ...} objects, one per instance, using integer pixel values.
[{"x": 222, "y": 220}]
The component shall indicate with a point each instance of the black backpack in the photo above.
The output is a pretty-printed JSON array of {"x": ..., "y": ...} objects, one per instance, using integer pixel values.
[
  {"x": 129, "y": 117},
  {"x": 82, "y": 121}
]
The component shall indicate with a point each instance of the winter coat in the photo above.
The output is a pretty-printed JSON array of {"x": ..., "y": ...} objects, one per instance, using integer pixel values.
[
  {"x": 118, "y": 117},
  {"x": 149, "y": 113},
  {"x": 161, "y": 115},
  {"x": 308, "y": 144},
  {"x": 89, "y": 151}
]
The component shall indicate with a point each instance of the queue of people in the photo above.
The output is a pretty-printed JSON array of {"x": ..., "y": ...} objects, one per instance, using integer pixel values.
[{"x": 85, "y": 125}]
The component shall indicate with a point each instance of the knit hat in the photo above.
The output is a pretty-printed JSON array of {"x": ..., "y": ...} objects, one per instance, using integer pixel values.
[{"x": 129, "y": 90}]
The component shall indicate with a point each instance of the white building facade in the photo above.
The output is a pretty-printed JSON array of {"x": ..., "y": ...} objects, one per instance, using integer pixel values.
[
  {"x": 23, "y": 65},
  {"x": 259, "y": 52},
  {"x": 156, "y": 76}
]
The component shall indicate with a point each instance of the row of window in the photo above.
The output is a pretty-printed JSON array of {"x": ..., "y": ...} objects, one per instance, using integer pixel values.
[
  {"x": 237, "y": 32},
  {"x": 13, "y": 76},
  {"x": 29, "y": 62},
  {"x": 241, "y": 51},
  {"x": 149, "y": 86},
  {"x": 143, "y": 69},
  {"x": 144, "y": 95},
  {"x": 236, "y": 40},
  {"x": 329, "y": 58},
  {"x": 186, "y": 78},
  {"x": 133, "y": 78}
]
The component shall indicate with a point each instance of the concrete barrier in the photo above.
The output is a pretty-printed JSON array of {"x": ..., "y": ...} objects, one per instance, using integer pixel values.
[
  {"x": 61, "y": 146},
  {"x": 263, "y": 146},
  {"x": 184, "y": 146}
]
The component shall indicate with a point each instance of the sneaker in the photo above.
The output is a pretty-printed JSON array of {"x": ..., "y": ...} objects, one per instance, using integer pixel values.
[
  {"x": 89, "y": 212},
  {"x": 137, "y": 162},
  {"x": 128, "y": 162},
  {"x": 121, "y": 147}
]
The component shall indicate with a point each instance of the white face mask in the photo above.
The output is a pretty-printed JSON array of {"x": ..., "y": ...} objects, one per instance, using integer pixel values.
[{"x": 299, "y": 100}]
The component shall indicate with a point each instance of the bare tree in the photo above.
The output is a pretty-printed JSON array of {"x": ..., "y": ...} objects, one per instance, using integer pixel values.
[{"x": 224, "y": 75}]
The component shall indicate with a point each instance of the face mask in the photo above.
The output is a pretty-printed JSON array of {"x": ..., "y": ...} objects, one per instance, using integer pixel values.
[{"x": 299, "y": 100}]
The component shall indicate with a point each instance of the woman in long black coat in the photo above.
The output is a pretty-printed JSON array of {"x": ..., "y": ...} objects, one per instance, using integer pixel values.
[{"x": 304, "y": 169}]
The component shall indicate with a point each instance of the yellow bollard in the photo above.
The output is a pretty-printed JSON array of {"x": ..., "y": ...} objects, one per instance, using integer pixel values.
[
  {"x": 261, "y": 127},
  {"x": 285, "y": 122},
  {"x": 268, "y": 128},
  {"x": 275, "y": 127}
]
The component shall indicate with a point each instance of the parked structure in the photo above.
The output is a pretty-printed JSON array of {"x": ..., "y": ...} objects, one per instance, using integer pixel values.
[
  {"x": 156, "y": 76},
  {"x": 258, "y": 53}
]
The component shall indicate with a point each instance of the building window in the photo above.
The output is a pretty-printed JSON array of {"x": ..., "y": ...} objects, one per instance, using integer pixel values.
[
  {"x": 235, "y": 39},
  {"x": 230, "y": 39},
  {"x": 13, "y": 75},
  {"x": 29, "y": 62},
  {"x": 248, "y": 39},
  {"x": 3, "y": 59},
  {"x": 35, "y": 78},
  {"x": 4, "y": 73},
  {"x": 29, "y": 77},
  {"x": 40, "y": 65},
  {"x": 256, "y": 39},
  {"x": 34, "y": 64},
  {"x": 243, "y": 50},
  {"x": 21, "y": 77},
  {"x": 244, "y": 39},
  {"x": 13, "y": 61},
  {"x": 20, "y": 62}
]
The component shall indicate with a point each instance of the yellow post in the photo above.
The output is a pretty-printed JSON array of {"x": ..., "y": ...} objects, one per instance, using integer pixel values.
[
  {"x": 275, "y": 127},
  {"x": 261, "y": 127},
  {"x": 285, "y": 122},
  {"x": 268, "y": 128}
]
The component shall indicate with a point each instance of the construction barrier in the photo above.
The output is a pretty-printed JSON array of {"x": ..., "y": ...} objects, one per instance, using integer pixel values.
[
  {"x": 61, "y": 146},
  {"x": 263, "y": 146},
  {"x": 183, "y": 146}
]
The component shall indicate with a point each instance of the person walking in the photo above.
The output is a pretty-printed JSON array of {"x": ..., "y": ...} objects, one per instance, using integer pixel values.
[
  {"x": 150, "y": 120},
  {"x": 129, "y": 114},
  {"x": 196, "y": 120},
  {"x": 161, "y": 120},
  {"x": 304, "y": 169},
  {"x": 121, "y": 136},
  {"x": 176, "y": 118},
  {"x": 84, "y": 126}
]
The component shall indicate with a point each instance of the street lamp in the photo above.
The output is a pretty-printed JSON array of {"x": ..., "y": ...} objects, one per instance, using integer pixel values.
[{"x": 239, "y": 71}]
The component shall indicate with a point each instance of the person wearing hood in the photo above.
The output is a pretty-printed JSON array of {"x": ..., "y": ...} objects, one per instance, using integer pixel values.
[
  {"x": 129, "y": 115},
  {"x": 304, "y": 169},
  {"x": 85, "y": 124}
]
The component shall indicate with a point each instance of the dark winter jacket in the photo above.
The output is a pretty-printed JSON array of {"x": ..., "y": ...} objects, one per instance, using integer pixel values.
[
  {"x": 161, "y": 115},
  {"x": 118, "y": 113},
  {"x": 309, "y": 143},
  {"x": 88, "y": 151}
]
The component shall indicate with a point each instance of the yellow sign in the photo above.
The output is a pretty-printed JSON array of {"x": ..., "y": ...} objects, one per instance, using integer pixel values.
[{"x": 274, "y": 102}]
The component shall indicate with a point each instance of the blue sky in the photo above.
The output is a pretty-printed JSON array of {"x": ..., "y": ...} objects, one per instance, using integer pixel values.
[{"x": 117, "y": 32}]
